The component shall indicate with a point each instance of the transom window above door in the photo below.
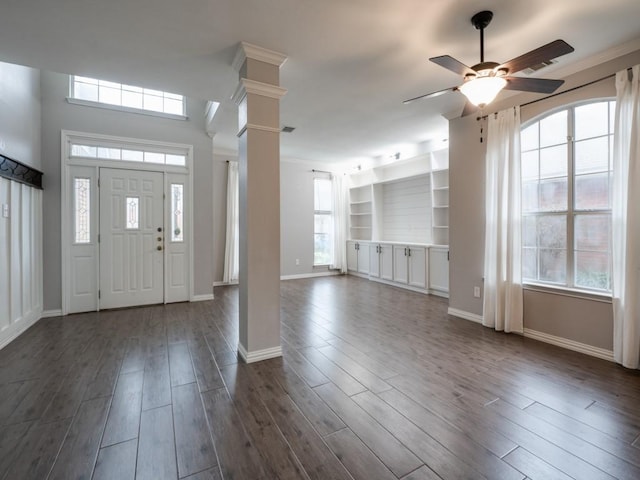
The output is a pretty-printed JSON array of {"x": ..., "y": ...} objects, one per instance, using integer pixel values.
[{"x": 126, "y": 155}]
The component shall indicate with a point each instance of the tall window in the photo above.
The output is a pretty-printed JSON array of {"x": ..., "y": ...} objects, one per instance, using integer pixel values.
[
  {"x": 111, "y": 93},
  {"x": 566, "y": 200},
  {"x": 323, "y": 222}
]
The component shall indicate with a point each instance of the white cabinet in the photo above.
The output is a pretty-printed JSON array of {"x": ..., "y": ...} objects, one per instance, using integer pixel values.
[
  {"x": 439, "y": 270},
  {"x": 410, "y": 265},
  {"x": 386, "y": 262},
  {"x": 381, "y": 264},
  {"x": 358, "y": 257}
]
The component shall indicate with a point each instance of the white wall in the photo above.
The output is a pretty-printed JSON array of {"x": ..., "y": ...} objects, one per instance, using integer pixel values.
[
  {"x": 58, "y": 114},
  {"x": 20, "y": 232}
]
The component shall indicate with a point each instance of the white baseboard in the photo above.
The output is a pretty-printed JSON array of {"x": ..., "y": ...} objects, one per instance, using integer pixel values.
[
  {"x": 51, "y": 313},
  {"x": 474, "y": 317},
  {"x": 223, "y": 284},
  {"x": 14, "y": 330},
  {"x": 439, "y": 293},
  {"x": 258, "y": 355},
  {"x": 569, "y": 344},
  {"x": 310, "y": 275},
  {"x": 201, "y": 298}
]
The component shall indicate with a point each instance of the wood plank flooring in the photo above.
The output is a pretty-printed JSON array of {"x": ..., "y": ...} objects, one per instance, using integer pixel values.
[{"x": 375, "y": 383}]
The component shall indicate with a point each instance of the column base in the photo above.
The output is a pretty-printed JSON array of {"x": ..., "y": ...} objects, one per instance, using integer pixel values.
[{"x": 259, "y": 355}]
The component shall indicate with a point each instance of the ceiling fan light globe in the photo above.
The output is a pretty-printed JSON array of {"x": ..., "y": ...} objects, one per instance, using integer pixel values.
[{"x": 483, "y": 90}]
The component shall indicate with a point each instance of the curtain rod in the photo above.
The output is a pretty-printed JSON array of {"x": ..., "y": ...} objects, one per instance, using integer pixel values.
[
  {"x": 562, "y": 92},
  {"x": 321, "y": 171}
]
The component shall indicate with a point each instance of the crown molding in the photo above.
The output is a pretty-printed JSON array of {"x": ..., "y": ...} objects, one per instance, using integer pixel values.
[
  {"x": 248, "y": 50},
  {"x": 251, "y": 86}
]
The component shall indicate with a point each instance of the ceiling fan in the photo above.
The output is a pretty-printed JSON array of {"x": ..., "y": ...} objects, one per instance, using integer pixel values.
[{"x": 483, "y": 81}]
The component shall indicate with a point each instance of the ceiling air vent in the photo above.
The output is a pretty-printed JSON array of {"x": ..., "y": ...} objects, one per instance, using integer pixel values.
[
  {"x": 288, "y": 129},
  {"x": 538, "y": 66}
]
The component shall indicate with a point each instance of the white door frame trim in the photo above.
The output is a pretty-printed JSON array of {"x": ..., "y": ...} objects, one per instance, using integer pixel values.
[{"x": 69, "y": 137}]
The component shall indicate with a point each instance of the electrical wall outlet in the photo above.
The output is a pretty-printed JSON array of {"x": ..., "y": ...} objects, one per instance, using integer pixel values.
[
  {"x": 476, "y": 292},
  {"x": 297, "y": 261}
]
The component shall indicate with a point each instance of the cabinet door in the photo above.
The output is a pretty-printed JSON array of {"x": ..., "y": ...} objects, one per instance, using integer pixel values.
[
  {"x": 418, "y": 267},
  {"x": 363, "y": 257},
  {"x": 439, "y": 269},
  {"x": 352, "y": 256},
  {"x": 400, "y": 271},
  {"x": 374, "y": 263},
  {"x": 386, "y": 262}
]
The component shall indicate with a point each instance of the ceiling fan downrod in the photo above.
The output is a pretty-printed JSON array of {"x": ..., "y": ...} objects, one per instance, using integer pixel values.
[{"x": 480, "y": 21}]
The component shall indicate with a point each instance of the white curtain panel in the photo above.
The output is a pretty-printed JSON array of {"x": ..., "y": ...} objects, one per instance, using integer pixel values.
[
  {"x": 232, "y": 245},
  {"x": 625, "y": 218},
  {"x": 339, "y": 190},
  {"x": 503, "y": 302}
]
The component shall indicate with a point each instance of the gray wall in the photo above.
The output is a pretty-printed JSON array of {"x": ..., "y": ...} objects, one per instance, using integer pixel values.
[
  {"x": 20, "y": 114},
  {"x": 581, "y": 320},
  {"x": 296, "y": 217},
  {"x": 58, "y": 114}
]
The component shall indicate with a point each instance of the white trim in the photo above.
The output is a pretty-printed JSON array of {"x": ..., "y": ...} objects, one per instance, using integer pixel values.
[
  {"x": 51, "y": 313},
  {"x": 309, "y": 275},
  {"x": 13, "y": 331},
  {"x": 201, "y": 298},
  {"x": 248, "y": 50},
  {"x": 568, "y": 292},
  {"x": 439, "y": 293},
  {"x": 474, "y": 317},
  {"x": 259, "y": 355},
  {"x": 225, "y": 284},
  {"x": 252, "y": 126},
  {"x": 569, "y": 344},
  {"x": 120, "y": 108},
  {"x": 404, "y": 286},
  {"x": 257, "y": 88}
]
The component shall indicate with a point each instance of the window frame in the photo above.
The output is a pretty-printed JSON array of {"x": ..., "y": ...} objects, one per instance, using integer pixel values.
[
  {"x": 571, "y": 212},
  {"x": 330, "y": 213},
  {"x": 73, "y": 99}
]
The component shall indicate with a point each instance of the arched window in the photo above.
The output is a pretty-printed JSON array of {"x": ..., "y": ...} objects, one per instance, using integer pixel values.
[{"x": 566, "y": 198}]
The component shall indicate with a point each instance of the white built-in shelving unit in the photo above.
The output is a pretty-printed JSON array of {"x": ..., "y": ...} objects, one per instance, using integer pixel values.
[{"x": 399, "y": 223}]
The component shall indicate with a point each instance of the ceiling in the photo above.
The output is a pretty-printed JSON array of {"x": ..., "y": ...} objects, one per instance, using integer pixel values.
[{"x": 350, "y": 62}]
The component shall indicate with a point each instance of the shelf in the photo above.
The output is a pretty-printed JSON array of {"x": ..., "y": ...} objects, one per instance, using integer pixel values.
[
  {"x": 360, "y": 202},
  {"x": 440, "y": 188},
  {"x": 359, "y": 214},
  {"x": 361, "y": 228},
  {"x": 441, "y": 206},
  {"x": 441, "y": 226}
]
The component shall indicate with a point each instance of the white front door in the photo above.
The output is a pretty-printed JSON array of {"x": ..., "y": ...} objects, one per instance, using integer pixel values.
[{"x": 131, "y": 238}]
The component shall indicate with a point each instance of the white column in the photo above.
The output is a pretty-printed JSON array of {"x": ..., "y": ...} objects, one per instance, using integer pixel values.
[{"x": 258, "y": 99}]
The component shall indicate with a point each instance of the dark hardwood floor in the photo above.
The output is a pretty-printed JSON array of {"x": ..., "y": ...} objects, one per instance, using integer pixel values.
[{"x": 375, "y": 383}]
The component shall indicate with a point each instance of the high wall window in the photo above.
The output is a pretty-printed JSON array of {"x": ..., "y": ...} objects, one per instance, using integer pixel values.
[
  {"x": 128, "y": 96},
  {"x": 323, "y": 222},
  {"x": 566, "y": 198}
]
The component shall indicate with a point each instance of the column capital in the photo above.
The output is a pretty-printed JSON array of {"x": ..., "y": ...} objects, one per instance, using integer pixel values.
[
  {"x": 259, "y": 88},
  {"x": 248, "y": 50}
]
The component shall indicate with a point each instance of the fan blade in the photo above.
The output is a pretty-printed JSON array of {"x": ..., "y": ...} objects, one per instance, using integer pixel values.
[
  {"x": 538, "y": 85},
  {"x": 547, "y": 52},
  {"x": 468, "y": 109},
  {"x": 452, "y": 64},
  {"x": 431, "y": 95}
]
